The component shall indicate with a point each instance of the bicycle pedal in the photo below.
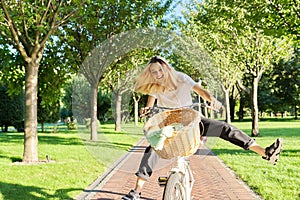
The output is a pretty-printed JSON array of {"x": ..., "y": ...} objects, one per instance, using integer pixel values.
[{"x": 162, "y": 180}]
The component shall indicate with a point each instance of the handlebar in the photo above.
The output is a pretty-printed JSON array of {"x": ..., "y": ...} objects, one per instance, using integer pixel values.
[{"x": 157, "y": 109}]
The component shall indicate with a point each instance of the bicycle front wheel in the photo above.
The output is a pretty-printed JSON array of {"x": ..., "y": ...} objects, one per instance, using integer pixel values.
[{"x": 174, "y": 189}]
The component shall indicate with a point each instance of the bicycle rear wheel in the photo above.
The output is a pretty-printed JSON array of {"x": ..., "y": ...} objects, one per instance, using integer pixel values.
[{"x": 174, "y": 189}]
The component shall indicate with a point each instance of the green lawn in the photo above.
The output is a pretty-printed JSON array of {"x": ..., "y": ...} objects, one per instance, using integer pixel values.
[
  {"x": 281, "y": 181},
  {"x": 74, "y": 166},
  {"x": 78, "y": 162}
]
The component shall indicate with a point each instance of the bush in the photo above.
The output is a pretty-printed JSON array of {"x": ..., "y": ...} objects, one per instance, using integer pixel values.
[
  {"x": 72, "y": 124},
  {"x": 88, "y": 123}
]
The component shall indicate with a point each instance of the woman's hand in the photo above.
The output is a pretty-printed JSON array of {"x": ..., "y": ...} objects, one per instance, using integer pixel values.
[
  {"x": 215, "y": 104},
  {"x": 144, "y": 111}
]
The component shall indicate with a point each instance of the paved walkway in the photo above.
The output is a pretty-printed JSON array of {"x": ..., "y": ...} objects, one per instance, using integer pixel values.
[{"x": 213, "y": 180}]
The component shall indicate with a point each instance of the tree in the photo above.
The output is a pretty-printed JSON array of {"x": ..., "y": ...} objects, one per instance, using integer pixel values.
[
  {"x": 251, "y": 49},
  {"x": 122, "y": 81},
  {"x": 27, "y": 26},
  {"x": 258, "y": 53},
  {"x": 219, "y": 37},
  {"x": 95, "y": 31}
]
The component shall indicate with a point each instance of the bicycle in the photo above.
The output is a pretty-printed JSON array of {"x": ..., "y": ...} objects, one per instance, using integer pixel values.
[{"x": 179, "y": 182}]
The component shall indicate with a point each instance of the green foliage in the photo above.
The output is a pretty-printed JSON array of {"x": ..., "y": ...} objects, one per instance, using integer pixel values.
[
  {"x": 99, "y": 20},
  {"x": 65, "y": 113},
  {"x": 104, "y": 105},
  {"x": 12, "y": 71},
  {"x": 275, "y": 17},
  {"x": 80, "y": 98},
  {"x": 12, "y": 109},
  {"x": 286, "y": 77},
  {"x": 54, "y": 74},
  {"x": 279, "y": 89},
  {"x": 66, "y": 100},
  {"x": 72, "y": 124}
]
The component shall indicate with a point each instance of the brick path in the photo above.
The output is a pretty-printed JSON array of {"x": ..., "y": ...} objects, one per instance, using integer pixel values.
[{"x": 213, "y": 180}]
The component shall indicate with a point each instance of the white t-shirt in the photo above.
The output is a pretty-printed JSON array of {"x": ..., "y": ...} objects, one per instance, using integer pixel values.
[{"x": 179, "y": 97}]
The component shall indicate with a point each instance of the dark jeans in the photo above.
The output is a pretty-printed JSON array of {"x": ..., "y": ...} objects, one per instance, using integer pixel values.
[{"x": 210, "y": 128}]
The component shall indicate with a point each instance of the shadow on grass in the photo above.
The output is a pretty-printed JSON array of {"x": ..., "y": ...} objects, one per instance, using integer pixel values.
[
  {"x": 16, "y": 191},
  {"x": 59, "y": 140},
  {"x": 48, "y": 139},
  {"x": 103, "y": 143},
  {"x": 232, "y": 152},
  {"x": 110, "y": 145},
  {"x": 13, "y": 159}
]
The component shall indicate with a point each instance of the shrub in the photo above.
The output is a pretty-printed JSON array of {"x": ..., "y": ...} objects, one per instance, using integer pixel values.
[{"x": 72, "y": 124}]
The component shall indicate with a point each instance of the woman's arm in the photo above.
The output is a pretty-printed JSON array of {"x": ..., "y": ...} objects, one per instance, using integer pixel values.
[
  {"x": 150, "y": 103},
  {"x": 207, "y": 96},
  {"x": 202, "y": 92}
]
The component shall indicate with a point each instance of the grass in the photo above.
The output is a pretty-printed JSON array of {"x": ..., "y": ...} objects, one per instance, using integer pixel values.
[
  {"x": 74, "y": 166},
  {"x": 79, "y": 162},
  {"x": 271, "y": 182}
]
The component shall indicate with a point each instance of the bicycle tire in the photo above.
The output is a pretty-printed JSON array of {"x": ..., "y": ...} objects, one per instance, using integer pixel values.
[{"x": 174, "y": 189}]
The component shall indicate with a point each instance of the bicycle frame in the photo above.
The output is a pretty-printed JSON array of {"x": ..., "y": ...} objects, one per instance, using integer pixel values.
[{"x": 183, "y": 167}]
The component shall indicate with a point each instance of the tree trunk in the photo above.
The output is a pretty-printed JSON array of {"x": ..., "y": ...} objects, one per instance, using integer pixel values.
[
  {"x": 118, "y": 112},
  {"x": 136, "y": 112},
  {"x": 296, "y": 112},
  {"x": 254, "y": 107},
  {"x": 241, "y": 88},
  {"x": 241, "y": 110},
  {"x": 5, "y": 128},
  {"x": 43, "y": 126},
  {"x": 205, "y": 110},
  {"x": 232, "y": 105},
  {"x": 228, "y": 120},
  {"x": 94, "y": 120},
  {"x": 30, "y": 136}
]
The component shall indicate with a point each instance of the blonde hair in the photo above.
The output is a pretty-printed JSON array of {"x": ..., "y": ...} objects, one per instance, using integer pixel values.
[{"x": 146, "y": 84}]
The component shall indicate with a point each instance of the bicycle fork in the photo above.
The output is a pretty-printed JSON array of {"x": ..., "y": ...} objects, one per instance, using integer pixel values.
[{"x": 187, "y": 181}]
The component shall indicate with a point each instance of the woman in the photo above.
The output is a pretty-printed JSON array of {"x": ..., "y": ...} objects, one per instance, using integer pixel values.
[{"x": 171, "y": 88}]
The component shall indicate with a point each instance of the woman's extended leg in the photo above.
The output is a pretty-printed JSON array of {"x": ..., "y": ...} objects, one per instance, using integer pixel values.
[{"x": 214, "y": 128}]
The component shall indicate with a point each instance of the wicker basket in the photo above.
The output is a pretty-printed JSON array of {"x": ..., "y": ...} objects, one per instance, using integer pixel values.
[{"x": 183, "y": 142}]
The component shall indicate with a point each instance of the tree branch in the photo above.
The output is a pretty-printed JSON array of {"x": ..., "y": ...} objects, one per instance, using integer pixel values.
[
  {"x": 24, "y": 22},
  {"x": 16, "y": 33},
  {"x": 54, "y": 25},
  {"x": 240, "y": 84},
  {"x": 45, "y": 13}
]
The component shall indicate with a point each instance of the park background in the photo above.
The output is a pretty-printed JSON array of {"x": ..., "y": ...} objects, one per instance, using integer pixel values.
[{"x": 254, "y": 47}]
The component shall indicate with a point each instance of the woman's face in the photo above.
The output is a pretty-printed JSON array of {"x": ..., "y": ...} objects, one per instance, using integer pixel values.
[{"x": 157, "y": 72}]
